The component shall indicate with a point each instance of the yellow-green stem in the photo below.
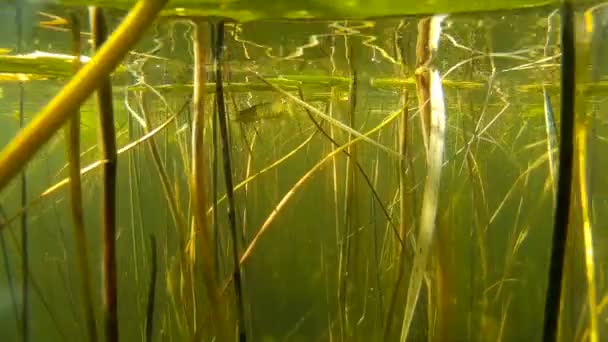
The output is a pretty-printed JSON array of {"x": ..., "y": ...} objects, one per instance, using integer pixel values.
[{"x": 47, "y": 122}]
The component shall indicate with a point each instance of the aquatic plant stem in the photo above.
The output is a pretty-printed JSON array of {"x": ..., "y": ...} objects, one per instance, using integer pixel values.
[
  {"x": 107, "y": 142},
  {"x": 582, "y": 129},
  {"x": 434, "y": 162},
  {"x": 423, "y": 57},
  {"x": 171, "y": 198},
  {"x": 216, "y": 231},
  {"x": 151, "y": 290},
  {"x": 365, "y": 176},
  {"x": 222, "y": 120},
  {"x": 551, "y": 128},
  {"x": 430, "y": 199},
  {"x": 178, "y": 219},
  {"x": 564, "y": 185},
  {"x": 73, "y": 153},
  {"x": 30, "y": 139},
  {"x": 586, "y": 201},
  {"x": 404, "y": 230},
  {"x": 135, "y": 218},
  {"x": 334, "y": 183},
  {"x": 8, "y": 269},
  {"x": 348, "y": 255},
  {"x": 198, "y": 186},
  {"x": 25, "y": 254}
]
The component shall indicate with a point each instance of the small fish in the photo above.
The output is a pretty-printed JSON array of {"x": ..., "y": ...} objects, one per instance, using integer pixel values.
[
  {"x": 551, "y": 139},
  {"x": 265, "y": 110}
]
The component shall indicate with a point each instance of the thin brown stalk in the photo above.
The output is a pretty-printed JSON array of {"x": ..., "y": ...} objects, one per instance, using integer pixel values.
[
  {"x": 222, "y": 120},
  {"x": 151, "y": 290},
  {"x": 73, "y": 154},
  {"x": 108, "y": 148},
  {"x": 423, "y": 57}
]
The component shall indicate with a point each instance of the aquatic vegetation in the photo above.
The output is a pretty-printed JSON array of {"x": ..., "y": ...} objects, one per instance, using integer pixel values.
[
  {"x": 73, "y": 152},
  {"x": 345, "y": 178}
]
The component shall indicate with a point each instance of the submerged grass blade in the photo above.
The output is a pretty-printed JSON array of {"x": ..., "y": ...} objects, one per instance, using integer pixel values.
[
  {"x": 430, "y": 199},
  {"x": 404, "y": 228},
  {"x": 365, "y": 176},
  {"x": 551, "y": 128},
  {"x": 107, "y": 142},
  {"x": 585, "y": 198},
  {"x": 169, "y": 192},
  {"x": 247, "y": 253},
  {"x": 276, "y": 163},
  {"x": 328, "y": 118},
  {"x": 222, "y": 120}
]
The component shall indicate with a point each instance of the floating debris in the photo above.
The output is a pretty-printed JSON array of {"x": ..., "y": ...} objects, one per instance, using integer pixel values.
[{"x": 41, "y": 63}]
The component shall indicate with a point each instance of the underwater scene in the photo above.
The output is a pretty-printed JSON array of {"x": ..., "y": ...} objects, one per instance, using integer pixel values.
[{"x": 423, "y": 176}]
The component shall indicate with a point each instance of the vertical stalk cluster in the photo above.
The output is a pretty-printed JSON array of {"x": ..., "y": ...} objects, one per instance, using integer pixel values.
[
  {"x": 21, "y": 149},
  {"x": 222, "y": 120},
  {"x": 436, "y": 146}
]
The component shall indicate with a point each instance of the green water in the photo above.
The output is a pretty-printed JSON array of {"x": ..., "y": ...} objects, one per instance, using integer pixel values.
[{"x": 489, "y": 262}]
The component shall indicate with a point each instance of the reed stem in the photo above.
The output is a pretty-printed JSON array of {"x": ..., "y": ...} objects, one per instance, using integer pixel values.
[
  {"x": 151, "y": 290},
  {"x": 199, "y": 187},
  {"x": 222, "y": 120},
  {"x": 564, "y": 182},
  {"x": 107, "y": 143},
  {"x": 73, "y": 154}
]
